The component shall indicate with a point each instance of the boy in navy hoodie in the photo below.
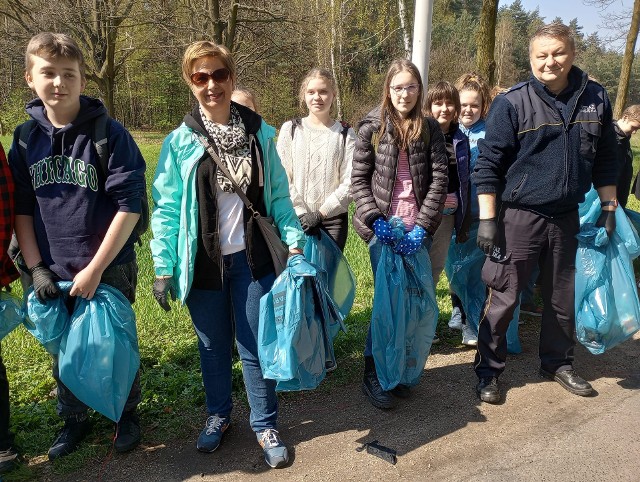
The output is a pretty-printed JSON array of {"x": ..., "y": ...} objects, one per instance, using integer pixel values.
[{"x": 74, "y": 222}]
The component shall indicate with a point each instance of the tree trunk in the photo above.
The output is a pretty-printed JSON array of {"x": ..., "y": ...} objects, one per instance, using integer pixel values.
[
  {"x": 406, "y": 37},
  {"x": 627, "y": 61},
  {"x": 485, "y": 63},
  {"x": 334, "y": 67}
]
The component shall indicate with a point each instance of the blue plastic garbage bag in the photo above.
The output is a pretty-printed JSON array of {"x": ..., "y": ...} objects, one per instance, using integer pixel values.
[
  {"x": 99, "y": 355},
  {"x": 324, "y": 252},
  {"x": 405, "y": 312},
  {"x": 606, "y": 302},
  {"x": 298, "y": 321},
  {"x": 11, "y": 313},
  {"x": 463, "y": 268},
  {"x": 47, "y": 322}
]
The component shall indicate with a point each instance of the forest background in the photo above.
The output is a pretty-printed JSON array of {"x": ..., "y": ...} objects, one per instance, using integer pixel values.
[{"x": 134, "y": 48}]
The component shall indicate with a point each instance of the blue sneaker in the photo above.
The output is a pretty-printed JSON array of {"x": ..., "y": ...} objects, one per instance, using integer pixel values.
[
  {"x": 211, "y": 435},
  {"x": 275, "y": 451}
]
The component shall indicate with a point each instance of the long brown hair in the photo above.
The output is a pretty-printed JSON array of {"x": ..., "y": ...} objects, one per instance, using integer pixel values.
[{"x": 409, "y": 129}]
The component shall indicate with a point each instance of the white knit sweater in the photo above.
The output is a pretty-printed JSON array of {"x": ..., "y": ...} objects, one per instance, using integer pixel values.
[{"x": 318, "y": 167}]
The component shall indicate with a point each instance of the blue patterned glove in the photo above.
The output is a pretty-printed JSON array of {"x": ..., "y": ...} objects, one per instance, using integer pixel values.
[
  {"x": 411, "y": 241},
  {"x": 382, "y": 230}
]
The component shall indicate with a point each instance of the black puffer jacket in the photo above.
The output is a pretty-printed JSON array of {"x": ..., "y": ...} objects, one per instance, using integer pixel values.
[{"x": 374, "y": 174}]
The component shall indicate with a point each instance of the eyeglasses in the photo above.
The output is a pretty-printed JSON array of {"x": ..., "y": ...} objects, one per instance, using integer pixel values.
[
  {"x": 218, "y": 76},
  {"x": 409, "y": 89}
]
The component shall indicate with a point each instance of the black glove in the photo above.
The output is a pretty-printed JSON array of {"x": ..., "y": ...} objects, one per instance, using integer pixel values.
[
  {"x": 487, "y": 235},
  {"x": 607, "y": 220},
  {"x": 44, "y": 283},
  {"x": 310, "y": 221},
  {"x": 162, "y": 286}
]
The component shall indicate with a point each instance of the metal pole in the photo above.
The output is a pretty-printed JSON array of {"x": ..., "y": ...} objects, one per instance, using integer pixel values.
[{"x": 423, "y": 17}]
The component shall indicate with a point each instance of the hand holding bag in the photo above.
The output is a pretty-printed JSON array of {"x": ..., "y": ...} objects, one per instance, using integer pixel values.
[{"x": 278, "y": 250}]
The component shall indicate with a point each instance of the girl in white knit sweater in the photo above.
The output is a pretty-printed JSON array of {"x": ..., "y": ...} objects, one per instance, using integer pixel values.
[{"x": 316, "y": 152}]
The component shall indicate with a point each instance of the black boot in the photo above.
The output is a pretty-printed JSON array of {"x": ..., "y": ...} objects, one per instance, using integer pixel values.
[
  {"x": 372, "y": 389},
  {"x": 75, "y": 430},
  {"x": 127, "y": 432}
]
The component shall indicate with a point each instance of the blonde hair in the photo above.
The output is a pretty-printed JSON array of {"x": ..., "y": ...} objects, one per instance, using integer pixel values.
[
  {"x": 408, "y": 129},
  {"x": 205, "y": 48},
  {"x": 51, "y": 45},
  {"x": 249, "y": 94},
  {"x": 316, "y": 73},
  {"x": 475, "y": 83},
  {"x": 497, "y": 90},
  {"x": 632, "y": 112}
]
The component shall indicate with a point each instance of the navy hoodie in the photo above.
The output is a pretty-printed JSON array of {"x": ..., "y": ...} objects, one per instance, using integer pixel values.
[{"x": 63, "y": 187}]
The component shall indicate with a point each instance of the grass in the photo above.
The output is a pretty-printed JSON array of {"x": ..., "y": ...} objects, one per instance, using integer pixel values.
[{"x": 172, "y": 395}]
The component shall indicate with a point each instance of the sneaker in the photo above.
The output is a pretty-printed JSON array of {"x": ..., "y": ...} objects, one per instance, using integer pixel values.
[
  {"x": 74, "y": 431},
  {"x": 455, "y": 323},
  {"x": 211, "y": 436},
  {"x": 531, "y": 309},
  {"x": 436, "y": 339},
  {"x": 469, "y": 336},
  {"x": 8, "y": 460},
  {"x": 275, "y": 451},
  {"x": 127, "y": 432},
  {"x": 373, "y": 390}
]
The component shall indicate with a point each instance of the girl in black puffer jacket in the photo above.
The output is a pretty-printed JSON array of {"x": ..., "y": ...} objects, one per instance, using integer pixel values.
[{"x": 399, "y": 169}]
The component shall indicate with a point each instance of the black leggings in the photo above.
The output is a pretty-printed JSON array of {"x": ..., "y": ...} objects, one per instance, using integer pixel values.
[{"x": 338, "y": 228}]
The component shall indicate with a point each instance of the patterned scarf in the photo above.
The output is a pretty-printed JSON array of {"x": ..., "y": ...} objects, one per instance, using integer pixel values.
[{"x": 233, "y": 148}]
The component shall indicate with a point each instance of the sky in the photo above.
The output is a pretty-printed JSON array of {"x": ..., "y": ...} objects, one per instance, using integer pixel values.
[{"x": 588, "y": 16}]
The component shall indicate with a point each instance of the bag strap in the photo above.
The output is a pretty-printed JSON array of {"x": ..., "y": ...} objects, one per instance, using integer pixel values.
[
  {"x": 295, "y": 123},
  {"x": 345, "y": 132},
  {"x": 23, "y": 138},
  {"x": 216, "y": 158},
  {"x": 101, "y": 140}
]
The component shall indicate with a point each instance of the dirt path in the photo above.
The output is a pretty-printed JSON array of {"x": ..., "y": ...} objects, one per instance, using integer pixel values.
[{"x": 442, "y": 432}]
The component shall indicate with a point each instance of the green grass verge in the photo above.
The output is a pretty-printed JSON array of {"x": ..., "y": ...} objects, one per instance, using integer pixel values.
[{"x": 172, "y": 394}]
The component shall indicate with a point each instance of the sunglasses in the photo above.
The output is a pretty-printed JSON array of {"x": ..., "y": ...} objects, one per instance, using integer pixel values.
[{"x": 218, "y": 76}]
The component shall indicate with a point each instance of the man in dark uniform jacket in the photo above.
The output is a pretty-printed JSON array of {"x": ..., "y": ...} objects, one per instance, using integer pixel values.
[{"x": 548, "y": 139}]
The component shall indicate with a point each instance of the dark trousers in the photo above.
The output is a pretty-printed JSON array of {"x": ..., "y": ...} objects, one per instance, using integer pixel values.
[
  {"x": 6, "y": 438},
  {"x": 338, "y": 228},
  {"x": 526, "y": 240},
  {"x": 123, "y": 277}
]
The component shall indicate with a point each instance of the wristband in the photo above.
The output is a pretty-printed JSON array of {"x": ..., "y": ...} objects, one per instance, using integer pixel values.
[{"x": 613, "y": 202}]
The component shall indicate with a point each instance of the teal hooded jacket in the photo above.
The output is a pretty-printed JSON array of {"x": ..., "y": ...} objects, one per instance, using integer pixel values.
[{"x": 174, "y": 221}]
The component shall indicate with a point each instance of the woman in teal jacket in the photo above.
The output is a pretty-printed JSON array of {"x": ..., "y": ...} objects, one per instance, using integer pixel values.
[{"x": 206, "y": 247}]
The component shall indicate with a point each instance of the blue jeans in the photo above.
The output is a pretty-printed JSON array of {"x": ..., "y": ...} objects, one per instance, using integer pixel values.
[{"x": 212, "y": 314}]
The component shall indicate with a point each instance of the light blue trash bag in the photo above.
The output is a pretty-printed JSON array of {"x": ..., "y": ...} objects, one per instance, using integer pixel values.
[
  {"x": 606, "y": 301},
  {"x": 48, "y": 321},
  {"x": 405, "y": 312},
  {"x": 463, "y": 268},
  {"x": 99, "y": 355},
  {"x": 298, "y": 321},
  {"x": 341, "y": 282},
  {"x": 11, "y": 313}
]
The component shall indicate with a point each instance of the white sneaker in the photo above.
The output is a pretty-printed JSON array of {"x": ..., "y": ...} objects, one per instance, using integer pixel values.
[
  {"x": 469, "y": 337},
  {"x": 455, "y": 323}
]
